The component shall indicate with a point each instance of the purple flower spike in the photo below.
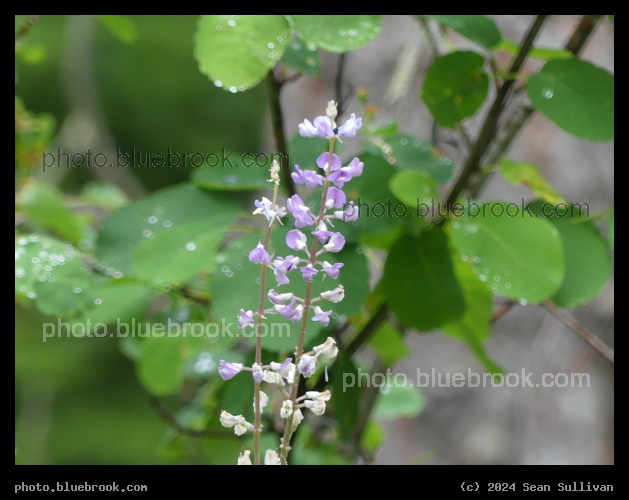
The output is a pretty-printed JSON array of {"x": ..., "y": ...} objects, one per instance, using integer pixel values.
[
  {"x": 355, "y": 167},
  {"x": 335, "y": 198},
  {"x": 307, "y": 177},
  {"x": 245, "y": 318},
  {"x": 259, "y": 255},
  {"x": 322, "y": 316},
  {"x": 332, "y": 270},
  {"x": 335, "y": 244},
  {"x": 300, "y": 211},
  {"x": 308, "y": 272},
  {"x": 348, "y": 214},
  {"x": 340, "y": 177},
  {"x": 296, "y": 240},
  {"x": 351, "y": 126},
  {"x": 229, "y": 370},
  {"x": 323, "y": 159}
]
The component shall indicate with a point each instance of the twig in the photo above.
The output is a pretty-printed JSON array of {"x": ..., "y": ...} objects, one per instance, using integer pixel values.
[
  {"x": 600, "y": 346},
  {"x": 338, "y": 84},
  {"x": 502, "y": 309},
  {"x": 163, "y": 412},
  {"x": 26, "y": 26},
  {"x": 277, "y": 122}
]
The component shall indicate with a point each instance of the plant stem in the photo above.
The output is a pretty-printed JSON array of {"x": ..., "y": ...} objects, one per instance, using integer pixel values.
[
  {"x": 277, "y": 122},
  {"x": 285, "y": 447},
  {"x": 257, "y": 426}
]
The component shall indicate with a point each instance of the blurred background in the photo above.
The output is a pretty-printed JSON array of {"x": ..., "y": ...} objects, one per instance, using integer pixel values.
[{"x": 81, "y": 402}]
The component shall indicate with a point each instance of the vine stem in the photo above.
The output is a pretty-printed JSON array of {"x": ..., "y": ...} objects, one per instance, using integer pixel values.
[
  {"x": 285, "y": 446},
  {"x": 257, "y": 426}
]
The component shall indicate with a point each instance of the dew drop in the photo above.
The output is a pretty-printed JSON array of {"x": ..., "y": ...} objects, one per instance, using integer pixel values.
[
  {"x": 152, "y": 219},
  {"x": 190, "y": 246},
  {"x": 547, "y": 94},
  {"x": 98, "y": 302},
  {"x": 77, "y": 289}
]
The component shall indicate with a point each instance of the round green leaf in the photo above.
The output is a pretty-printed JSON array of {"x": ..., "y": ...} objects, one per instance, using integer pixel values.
[
  {"x": 236, "y": 52},
  {"x": 414, "y": 187},
  {"x": 337, "y": 33},
  {"x": 298, "y": 56},
  {"x": 399, "y": 402},
  {"x": 412, "y": 153},
  {"x": 478, "y": 28},
  {"x": 455, "y": 87},
  {"x": 517, "y": 256},
  {"x": 577, "y": 96},
  {"x": 419, "y": 281}
]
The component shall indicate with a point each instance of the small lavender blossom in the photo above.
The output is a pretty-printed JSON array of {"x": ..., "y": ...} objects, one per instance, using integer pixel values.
[
  {"x": 269, "y": 210},
  {"x": 307, "y": 365},
  {"x": 322, "y": 232},
  {"x": 245, "y": 318},
  {"x": 259, "y": 254},
  {"x": 355, "y": 167},
  {"x": 308, "y": 177},
  {"x": 335, "y": 198},
  {"x": 279, "y": 298},
  {"x": 229, "y": 370},
  {"x": 351, "y": 126},
  {"x": 332, "y": 270},
  {"x": 322, "y": 316},
  {"x": 283, "y": 266},
  {"x": 296, "y": 240},
  {"x": 325, "y": 127},
  {"x": 349, "y": 213},
  {"x": 335, "y": 244},
  {"x": 289, "y": 312},
  {"x": 257, "y": 372},
  {"x": 308, "y": 272},
  {"x": 323, "y": 162},
  {"x": 300, "y": 211},
  {"x": 284, "y": 368},
  {"x": 340, "y": 177}
]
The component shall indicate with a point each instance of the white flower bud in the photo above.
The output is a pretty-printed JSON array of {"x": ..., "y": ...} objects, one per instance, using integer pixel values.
[
  {"x": 335, "y": 295},
  {"x": 227, "y": 419},
  {"x": 271, "y": 377},
  {"x": 319, "y": 396},
  {"x": 327, "y": 349},
  {"x": 298, "y": 416},
  {"x": 287, "y": 408},
  {"x": 243, "y": 458},
  {"x": 275, "y": 170},
  {"x": 264, "y": 400},
  {"x": 331, "y": 111},
  {"x": 316, "y": 407},
  {"x": 272, "y": 458}
]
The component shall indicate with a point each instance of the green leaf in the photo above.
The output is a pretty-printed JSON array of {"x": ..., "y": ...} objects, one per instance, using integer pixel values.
[
  {"x": 118, "y": 302},
  {"x": 301, "y": 58},
  {"x": 543, "y": 53},
  {"x": 528, "y": 174},
  {"x": 515, "y": 255},
  {"x": 177, "y": 254},
  {"x": 401, "y": 401},
  {"x": 161, "y": 364},
  {"x": 419, "y": 281},
  {"x": 389, "y": 344},
  {"x": 577, "y": 96},
  {"x": 610, "y": 228},
  {"x": 455, "y": 87},
  {"x": 346, "y": 386},
  {"x": 240, "y": 178},
  {"x": 337, "y": 33},
  {"x": 414, "y": 187},
  {"x": 410, "y": 152},
  {"x": 475, "y": 326},
  {"x": 236, "y": 52},
  {"x": 104, "y": 195},
  {"x": 45, "y": 209},
  {"x": 121, "y": 27},
  {"x": 479, "y": 29},
  {"x": 53, "y": 273},
  {"x": 588, "y": 263},
  {"x": 129, "y": 226}
]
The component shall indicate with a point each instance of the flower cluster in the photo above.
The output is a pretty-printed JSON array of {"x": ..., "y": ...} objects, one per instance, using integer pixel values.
[{"x": 309, "y": 258}]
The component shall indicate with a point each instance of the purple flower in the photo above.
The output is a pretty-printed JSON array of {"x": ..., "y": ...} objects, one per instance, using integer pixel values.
[
  {"x": 355, "y": 167},
  {"x": 291, "y": 314},
  {"x": 351, "y": 126},
  {"x": 331, "y": 270},
  {"x": 323, "y": 159},
  {"x": 340, "y": 177},
  {"x": 296, "y": 240},
  {"x": 229, "y": 370},
  {"x": 335, "y": 198},
  {"x": 259, "y": 254},
  {"x": 308, "y": 177},
  {"x": 300, "y": 211},
  {"x": 308, "y": 272},
  {"x": 322, "y": 232},
  {"x": 321, "y": 127},
  {"x": 307, "y": 129},
  {"x": 279, "y": 298},
  {"x": 335, "y": 244},
  {"x": 269, "y": 210},
  {"x": 283, "y": 266},
  {"x": 321, "y": 316},
  {"x": 245, "y": 318},
  {"x": 257, "y": 372},
  {"x": 348, "y": 214},
  {"x": 307, "y": 365}
]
